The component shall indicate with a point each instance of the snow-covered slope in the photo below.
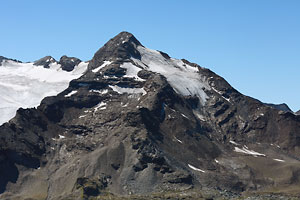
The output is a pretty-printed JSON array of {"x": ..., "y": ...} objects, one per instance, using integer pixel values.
[
  {"x": 25, "y": 84},
  {"x": 184, "y": 78}
]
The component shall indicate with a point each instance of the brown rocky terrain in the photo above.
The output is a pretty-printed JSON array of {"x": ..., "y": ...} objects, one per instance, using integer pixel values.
[{"x": 141, "y": 125}]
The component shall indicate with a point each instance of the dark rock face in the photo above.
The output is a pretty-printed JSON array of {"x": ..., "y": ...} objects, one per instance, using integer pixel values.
[
  {"x": 282, "y": 107},
  {"x": 298, "y": 112},
  {"x": 68, "y": 63},
  {"x": 128, "y": 131},
  {"x": 45, "y": 61}
]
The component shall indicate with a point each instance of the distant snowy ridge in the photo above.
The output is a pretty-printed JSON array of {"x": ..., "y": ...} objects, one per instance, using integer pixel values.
[{"x": 25, "y": 84}]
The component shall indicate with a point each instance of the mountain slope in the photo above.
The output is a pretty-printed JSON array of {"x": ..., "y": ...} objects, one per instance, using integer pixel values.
[{"x": 140, "y": 122}]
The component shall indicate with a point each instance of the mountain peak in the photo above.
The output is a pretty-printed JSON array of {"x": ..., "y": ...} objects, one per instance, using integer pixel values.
[
  {"x": 121, "y": 47},
  {"x": 45, "y": 61},
  {"x": 124, "y": 37},
  {"x": 139, "y": 122},
  {"x": 68, "y": 63}
]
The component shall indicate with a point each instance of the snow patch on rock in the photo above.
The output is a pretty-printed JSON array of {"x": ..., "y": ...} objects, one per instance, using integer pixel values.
[
  {"x": 199, "y": 116},
  {"x": 100, "y": 106},
  {"x": 105, "y": 91},
  {"x": 178, "y": 140},
  {"x": 131, "y": 71},
  {"x": 105, "y": 63},
  {"x": 196, "y": 169},
  {"x": 122, "y": 90},
  {"x": 71, "y": 93},
  {"x": 279, "y": 160},
  {"x": 247, "y": 151},
  {"x": 61, "y": 136},
  {"x": 233, "y": 142}
]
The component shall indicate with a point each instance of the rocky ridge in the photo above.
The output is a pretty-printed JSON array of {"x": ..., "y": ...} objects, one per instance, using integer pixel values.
[
  {"x": 4, "y": 59},
  {"x": 45, "y": 61},
  {"x": 283, "y": 107},
  {"x": 140, "y": 122},
  {"x": 66, "y": 63}
]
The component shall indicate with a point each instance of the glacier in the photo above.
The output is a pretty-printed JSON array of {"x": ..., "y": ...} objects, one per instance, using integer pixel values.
[{"x": 24, "y": 85}]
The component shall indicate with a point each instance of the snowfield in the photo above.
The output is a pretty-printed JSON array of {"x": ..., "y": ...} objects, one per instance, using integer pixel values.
[
  {"x": 184, "y": 78},
  {"x": 25, "y": 85}
]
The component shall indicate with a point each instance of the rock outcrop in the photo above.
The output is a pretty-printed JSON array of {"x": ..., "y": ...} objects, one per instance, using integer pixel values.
[
  {"x": 45, "y": 61},
  {"x": 68, "y": 63}
]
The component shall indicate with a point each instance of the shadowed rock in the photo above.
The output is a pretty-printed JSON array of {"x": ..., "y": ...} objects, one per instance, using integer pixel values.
[{"x": 68, "y": 63}]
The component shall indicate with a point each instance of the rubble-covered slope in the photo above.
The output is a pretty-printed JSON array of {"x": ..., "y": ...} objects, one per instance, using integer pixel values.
[{"x": 140, "y": 122}]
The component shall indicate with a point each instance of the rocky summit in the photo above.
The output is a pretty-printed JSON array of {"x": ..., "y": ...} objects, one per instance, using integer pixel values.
[
  {"x": 139, "y": 124},
  {"x": 45, "y": 61}
]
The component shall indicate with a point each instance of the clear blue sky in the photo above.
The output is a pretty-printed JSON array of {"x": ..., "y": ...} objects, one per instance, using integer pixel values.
[{"x": 253, "y": 44}]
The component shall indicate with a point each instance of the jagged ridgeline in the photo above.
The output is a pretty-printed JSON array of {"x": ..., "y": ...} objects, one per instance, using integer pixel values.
[{"x": 140, "y": 124}]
